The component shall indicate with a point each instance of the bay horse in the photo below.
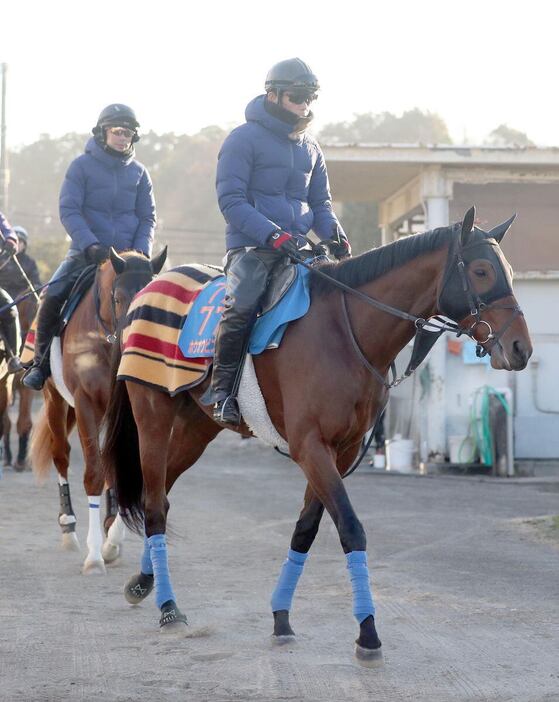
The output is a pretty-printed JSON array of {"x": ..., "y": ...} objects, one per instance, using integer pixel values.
[
  {"x": 27, "y": 309},
  {"x": 87, "y": 343},
  {"x": 324, "y": 387}
]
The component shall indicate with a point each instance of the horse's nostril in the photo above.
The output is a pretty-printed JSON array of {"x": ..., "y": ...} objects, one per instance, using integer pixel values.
[{"x": 520, "y": 350}]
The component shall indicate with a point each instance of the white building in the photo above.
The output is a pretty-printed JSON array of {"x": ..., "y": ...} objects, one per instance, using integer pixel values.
[{"x": 433, "y": 186}]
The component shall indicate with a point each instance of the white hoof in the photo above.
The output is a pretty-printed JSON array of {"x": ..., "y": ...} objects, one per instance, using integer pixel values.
[
  {"x": 110, "y": 552},
  {"x": 70, "y": 542},
  {"x": 94, "y": 567}
]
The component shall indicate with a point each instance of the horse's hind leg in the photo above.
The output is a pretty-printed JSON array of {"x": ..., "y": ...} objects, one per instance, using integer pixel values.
[{"x": 173, "y": 434}]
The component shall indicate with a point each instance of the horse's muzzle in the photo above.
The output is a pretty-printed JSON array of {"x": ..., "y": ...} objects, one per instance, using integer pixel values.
[{"x": 513, "y": 356}]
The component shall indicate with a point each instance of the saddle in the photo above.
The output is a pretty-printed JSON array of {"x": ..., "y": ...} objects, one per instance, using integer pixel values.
[
  {"x": 77, "y": 293},
  {"x": 287, "y": 298},
  {"x": 169, "y": 341}
]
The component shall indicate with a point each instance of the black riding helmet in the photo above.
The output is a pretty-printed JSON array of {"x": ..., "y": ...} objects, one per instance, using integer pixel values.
[
  {"x": 290, "y": 74},
  {"x": 116, "y": 115}
]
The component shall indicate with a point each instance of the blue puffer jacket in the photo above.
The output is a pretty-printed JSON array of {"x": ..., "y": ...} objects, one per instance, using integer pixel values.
[
  {"x": 268, "y": 181},
  {"x": 107, "y": 200}
]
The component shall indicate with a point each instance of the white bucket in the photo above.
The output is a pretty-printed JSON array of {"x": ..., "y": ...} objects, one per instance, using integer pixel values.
[
  {"x": 399, "y": 455},
  {"x": 461, "y": 448}
]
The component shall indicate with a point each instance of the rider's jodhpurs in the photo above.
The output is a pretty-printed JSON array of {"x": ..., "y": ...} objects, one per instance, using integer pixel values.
[
  {"x": 248, "y": 272},
  {"x": 9, "y": 325},
  {"x": 51, "y": 304}
]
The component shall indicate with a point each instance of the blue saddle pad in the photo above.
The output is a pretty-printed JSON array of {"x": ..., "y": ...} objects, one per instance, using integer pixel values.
[{"x": 197, "y": 337}]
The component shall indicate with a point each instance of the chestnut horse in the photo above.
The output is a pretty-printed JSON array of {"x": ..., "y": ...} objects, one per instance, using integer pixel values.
[
  {"x": 324, "y": 388},
  {"x": 27, "y": 309},
  {"x": 87, "y": 343}
]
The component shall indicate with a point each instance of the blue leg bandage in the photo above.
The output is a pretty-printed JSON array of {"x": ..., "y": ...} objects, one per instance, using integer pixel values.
[
  {"x": 158, "y": 550},
  {"x": 287, "y": 581},
  {"x": 145, "y": 564},
  {"x": 362, "y": 593}
]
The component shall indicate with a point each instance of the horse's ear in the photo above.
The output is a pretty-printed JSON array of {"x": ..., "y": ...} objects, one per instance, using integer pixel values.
[
  {"x": 158, "y": 261},
  {"x": 467, "y": 225},
  {"x": 117, "y": 261},
  {"x": 500, "y": 230}
]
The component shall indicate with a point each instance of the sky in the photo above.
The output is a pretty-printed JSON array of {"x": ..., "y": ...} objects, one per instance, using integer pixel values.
[{"x": 186, "y": 65}]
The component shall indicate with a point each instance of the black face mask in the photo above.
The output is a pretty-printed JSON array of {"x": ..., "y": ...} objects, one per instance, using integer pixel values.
[{"x": 486, "y": 277}]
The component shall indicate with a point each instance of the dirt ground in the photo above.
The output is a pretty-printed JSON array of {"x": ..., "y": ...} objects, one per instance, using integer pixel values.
[{"x": 467, "y": 593}]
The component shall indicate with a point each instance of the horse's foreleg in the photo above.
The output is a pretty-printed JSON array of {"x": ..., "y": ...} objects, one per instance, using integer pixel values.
[
  {"x": 55, "y": 430},
  {"x": 318, "y": 462},
  {"x": 88, "y": 428},
  {"x": 23, "y": 425},
  {"x": 7, "y": 426},
  {"x": 305, "y": 532}
]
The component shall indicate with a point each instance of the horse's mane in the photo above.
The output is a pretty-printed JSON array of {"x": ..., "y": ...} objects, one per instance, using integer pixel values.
[{"x": 372, "y": 264}]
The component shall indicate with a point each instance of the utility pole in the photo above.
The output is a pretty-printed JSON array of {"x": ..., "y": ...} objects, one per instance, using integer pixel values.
[{"x": 4, "y": 172}]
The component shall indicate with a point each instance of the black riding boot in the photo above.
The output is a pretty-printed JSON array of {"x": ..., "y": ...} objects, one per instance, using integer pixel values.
[
  {"x": 247, "y": 278},
  {"x": 47, "y": 327},
  {"x": 10, "y": 332},
  {"x": 230, "y": 348}
]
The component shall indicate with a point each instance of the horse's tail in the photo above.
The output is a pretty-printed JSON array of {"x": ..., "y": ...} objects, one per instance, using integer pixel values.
[
  {"x": 40, "y": 450},
  {"x": 120, "y": 452}
]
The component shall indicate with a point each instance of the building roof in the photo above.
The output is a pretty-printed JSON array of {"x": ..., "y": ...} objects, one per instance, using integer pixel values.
[{"x": 373, "y": 172}]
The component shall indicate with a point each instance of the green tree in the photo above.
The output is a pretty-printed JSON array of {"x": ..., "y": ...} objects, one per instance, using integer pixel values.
[
  {"x": 504, "y": 135},
  {"x": 414, "y": 126},
  {"x": 360, "y": 220}
]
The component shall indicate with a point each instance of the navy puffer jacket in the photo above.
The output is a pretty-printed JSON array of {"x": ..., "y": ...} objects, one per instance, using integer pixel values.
[
  {"x": 108, "y": 200},
  {"x": 267, "y": 180}
]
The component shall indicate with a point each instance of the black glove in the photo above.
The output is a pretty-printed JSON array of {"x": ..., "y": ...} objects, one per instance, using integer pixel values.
[
  {"x": 10, "y": 247},
  {"x": 338, "y": 245},
  {"x": 284, "y": 242},
  {"x": 96, "y": 253}
]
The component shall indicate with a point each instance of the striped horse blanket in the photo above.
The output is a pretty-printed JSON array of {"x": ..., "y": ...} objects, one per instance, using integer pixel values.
[{"x": 150, "y": 351}]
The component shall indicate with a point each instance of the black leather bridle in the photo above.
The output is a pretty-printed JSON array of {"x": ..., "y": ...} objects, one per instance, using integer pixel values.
[{"x": 429, "y": 330}]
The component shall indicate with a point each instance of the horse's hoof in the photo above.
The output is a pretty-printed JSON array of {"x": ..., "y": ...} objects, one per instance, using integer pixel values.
[
  {"x": 110, "y": 552},
  {"x": 138, "y": 588},
  {"x": 369, "y": 657},
  {"x": 70, "y": 541},
  {"x": 94, "y": 568},
  {"x": 19, "y": 466},
  {"x": 173, "y": 622},
  {"x": 283, "y": 640}
]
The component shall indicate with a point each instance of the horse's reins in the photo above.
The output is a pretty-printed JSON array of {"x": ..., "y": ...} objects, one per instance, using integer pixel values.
[{"x": 437, "y": 323}]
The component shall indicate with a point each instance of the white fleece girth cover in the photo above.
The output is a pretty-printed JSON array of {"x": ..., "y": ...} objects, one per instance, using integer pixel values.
[
  {"x": 56, "y": 369},
  {"x": 254, "y": 411}
]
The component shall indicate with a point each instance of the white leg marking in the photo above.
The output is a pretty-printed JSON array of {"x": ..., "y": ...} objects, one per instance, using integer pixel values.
[
  {"x": 94, "y": 561},
  {"x": 115, "y": 537}
]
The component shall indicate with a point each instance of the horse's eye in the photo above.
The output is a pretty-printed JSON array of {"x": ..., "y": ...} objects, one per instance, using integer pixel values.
[{"x": 480, "y": 272}]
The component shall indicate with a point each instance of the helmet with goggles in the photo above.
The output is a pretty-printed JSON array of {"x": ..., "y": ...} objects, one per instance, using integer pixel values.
[{"x": 291, "y": 74}]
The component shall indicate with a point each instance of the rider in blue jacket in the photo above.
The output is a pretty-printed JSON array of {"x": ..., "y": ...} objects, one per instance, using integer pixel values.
[
  {"x": 106, "y": 200},
  {"x": 272, "y": 189}
]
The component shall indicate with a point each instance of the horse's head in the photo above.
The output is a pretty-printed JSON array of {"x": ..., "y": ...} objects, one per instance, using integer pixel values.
[
  {"x": 476, "y": 291},
  {"x": 121, "y": 277}
]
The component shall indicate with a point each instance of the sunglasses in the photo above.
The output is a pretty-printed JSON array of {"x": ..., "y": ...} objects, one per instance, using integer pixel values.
[
  {"x": 121, "y": 132},
  {"x": 299, "y": 97}
]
